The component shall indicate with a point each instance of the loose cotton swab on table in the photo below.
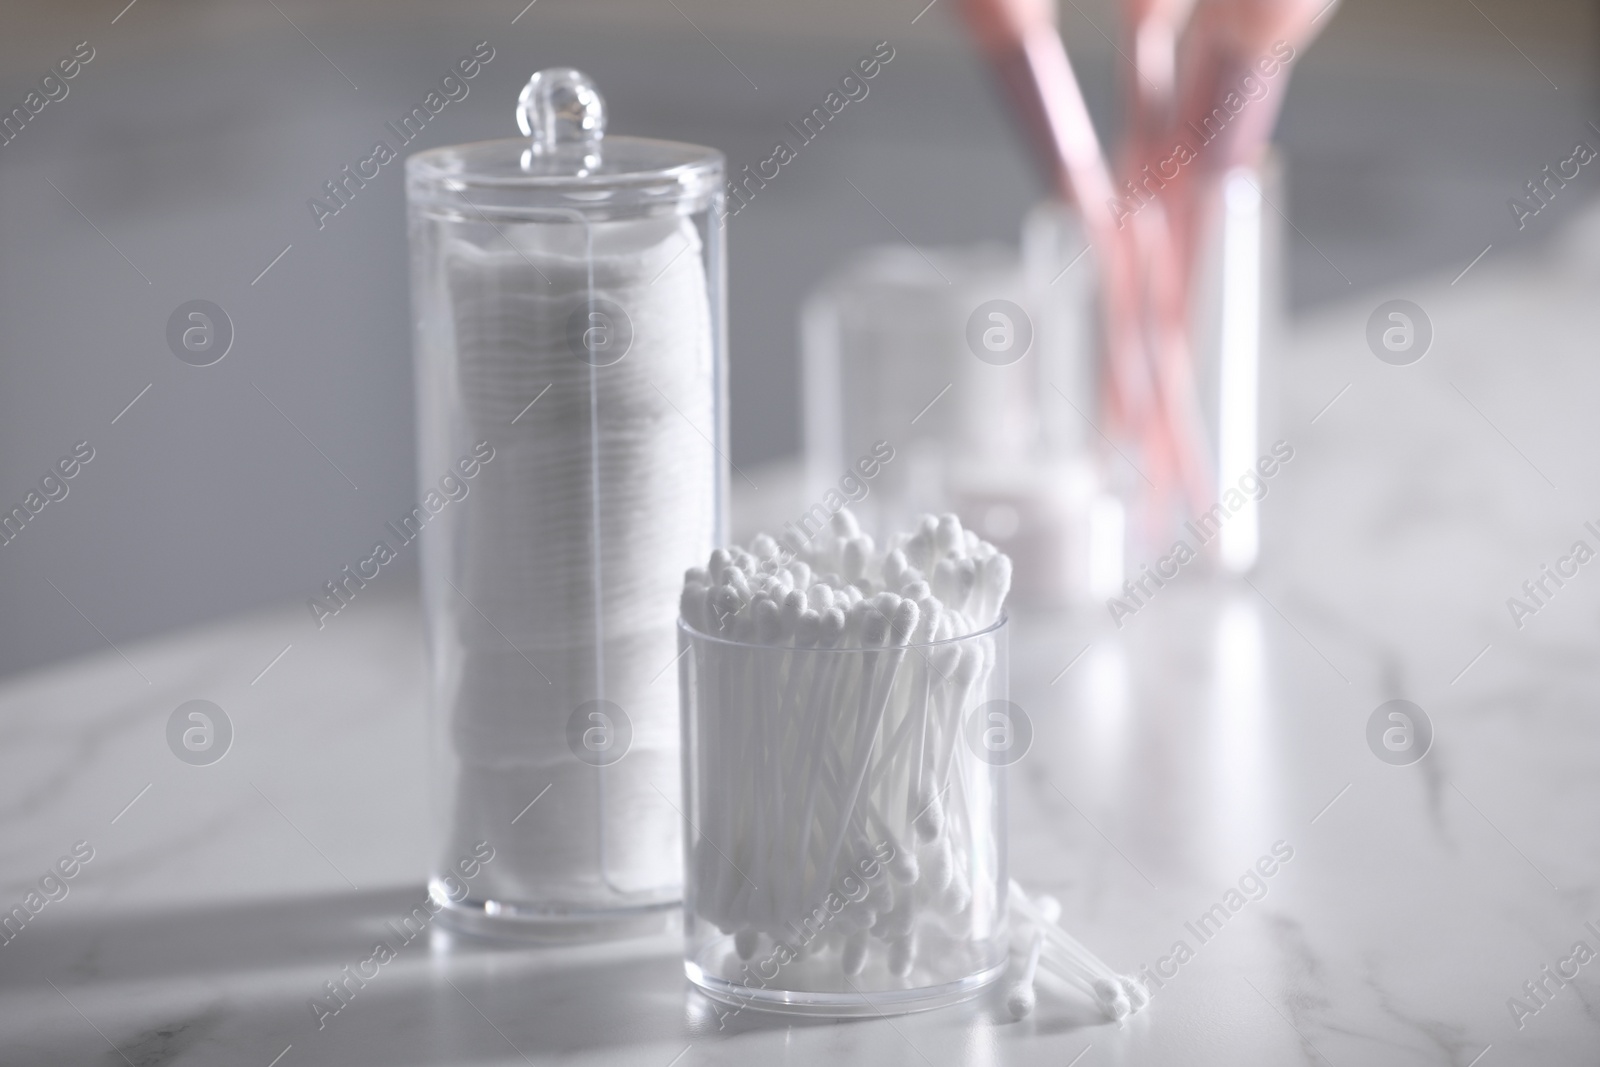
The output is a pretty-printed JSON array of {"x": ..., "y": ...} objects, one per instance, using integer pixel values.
[
  {"x": 1062, "y": 956},
  {"x": 1021, "y": 1000}
]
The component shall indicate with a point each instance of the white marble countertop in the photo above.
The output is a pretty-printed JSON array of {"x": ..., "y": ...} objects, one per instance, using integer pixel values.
[{"x": 1168, "y": 758}]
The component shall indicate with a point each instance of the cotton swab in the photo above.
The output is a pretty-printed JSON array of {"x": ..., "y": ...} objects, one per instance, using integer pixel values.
[
  {"x": 1022, "y": 999},
  {"x": 1048, "y": 909},
  {"x": 1064, "y": 958}
]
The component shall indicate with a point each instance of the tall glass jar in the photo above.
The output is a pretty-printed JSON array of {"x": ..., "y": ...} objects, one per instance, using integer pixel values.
[{"x": 568, "y": 297}]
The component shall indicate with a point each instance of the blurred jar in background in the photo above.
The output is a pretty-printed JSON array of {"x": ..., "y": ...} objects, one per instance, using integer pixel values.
[
  {"x": 1235, "y": 314},
  {"x": 974, "y": 363},
  {"x": 1236, "y": 320}
]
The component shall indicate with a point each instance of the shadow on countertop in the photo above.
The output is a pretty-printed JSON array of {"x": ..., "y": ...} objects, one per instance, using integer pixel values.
[{"x": 236, "y": 983}]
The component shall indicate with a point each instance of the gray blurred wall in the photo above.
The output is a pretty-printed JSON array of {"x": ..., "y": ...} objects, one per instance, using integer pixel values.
[{"x": 180, "y": 162}]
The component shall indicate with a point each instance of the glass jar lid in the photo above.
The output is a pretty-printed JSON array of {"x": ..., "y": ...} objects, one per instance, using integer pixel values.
[{"x": 565, "y": 163}]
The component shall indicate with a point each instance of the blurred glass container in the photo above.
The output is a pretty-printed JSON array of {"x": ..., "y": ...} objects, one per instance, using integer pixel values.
[
  {"x": 886, "y": 358},
  {"x": 1235, "y": 317},
  {"x": 977, "y": 370}
]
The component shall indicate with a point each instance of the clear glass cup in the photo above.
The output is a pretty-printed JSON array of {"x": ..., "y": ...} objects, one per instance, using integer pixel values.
[
  {"x": 845, "y": 812},
  {"x": 1234, "y": 325},
  {"x": 568, "y": 298},
  {"x": 969, "y": 362},
  {"x": 886, "y": 356}
]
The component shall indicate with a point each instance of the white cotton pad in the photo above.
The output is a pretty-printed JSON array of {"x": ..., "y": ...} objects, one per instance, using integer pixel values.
[{"x": 571, "y": 549}]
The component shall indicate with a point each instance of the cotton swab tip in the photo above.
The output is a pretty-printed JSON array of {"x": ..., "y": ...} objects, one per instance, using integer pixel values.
[
  {"x": 940, "y": 868},
  {"x": 903, "y": 867},
  {"x": 929, "y": 817},
  {"x": 744, "y": 943},
  {"x": 902, "y": 954},
  {"x": 1021, "y": 1001},
  {"x": 854, "y": 958},
  {"x": 901, "y": 921},
  {"x": 947, "y": 534}
]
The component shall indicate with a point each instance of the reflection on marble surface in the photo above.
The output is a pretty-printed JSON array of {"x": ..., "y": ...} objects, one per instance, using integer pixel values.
[{"x": 1170, "y": 758}]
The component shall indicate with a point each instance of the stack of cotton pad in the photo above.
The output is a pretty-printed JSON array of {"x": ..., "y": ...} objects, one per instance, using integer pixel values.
[
  {"x": 569, "y": 554},
  {"x": 828, "y": 739}
]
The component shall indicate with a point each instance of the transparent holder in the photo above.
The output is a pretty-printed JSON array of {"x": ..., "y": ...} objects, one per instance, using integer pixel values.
[
  {"x": 570, "y": 374},
  {"x": 1233, "y": 328},
  {"x": 845, "y": 822},
  {"x": 886, "y": 356},
  {"x": 969, "y": 362},
  {"x": 1236, "y": 326}
]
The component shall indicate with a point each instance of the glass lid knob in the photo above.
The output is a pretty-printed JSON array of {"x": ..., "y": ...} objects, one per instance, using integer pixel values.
[{"x": 561, "y": 109}]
